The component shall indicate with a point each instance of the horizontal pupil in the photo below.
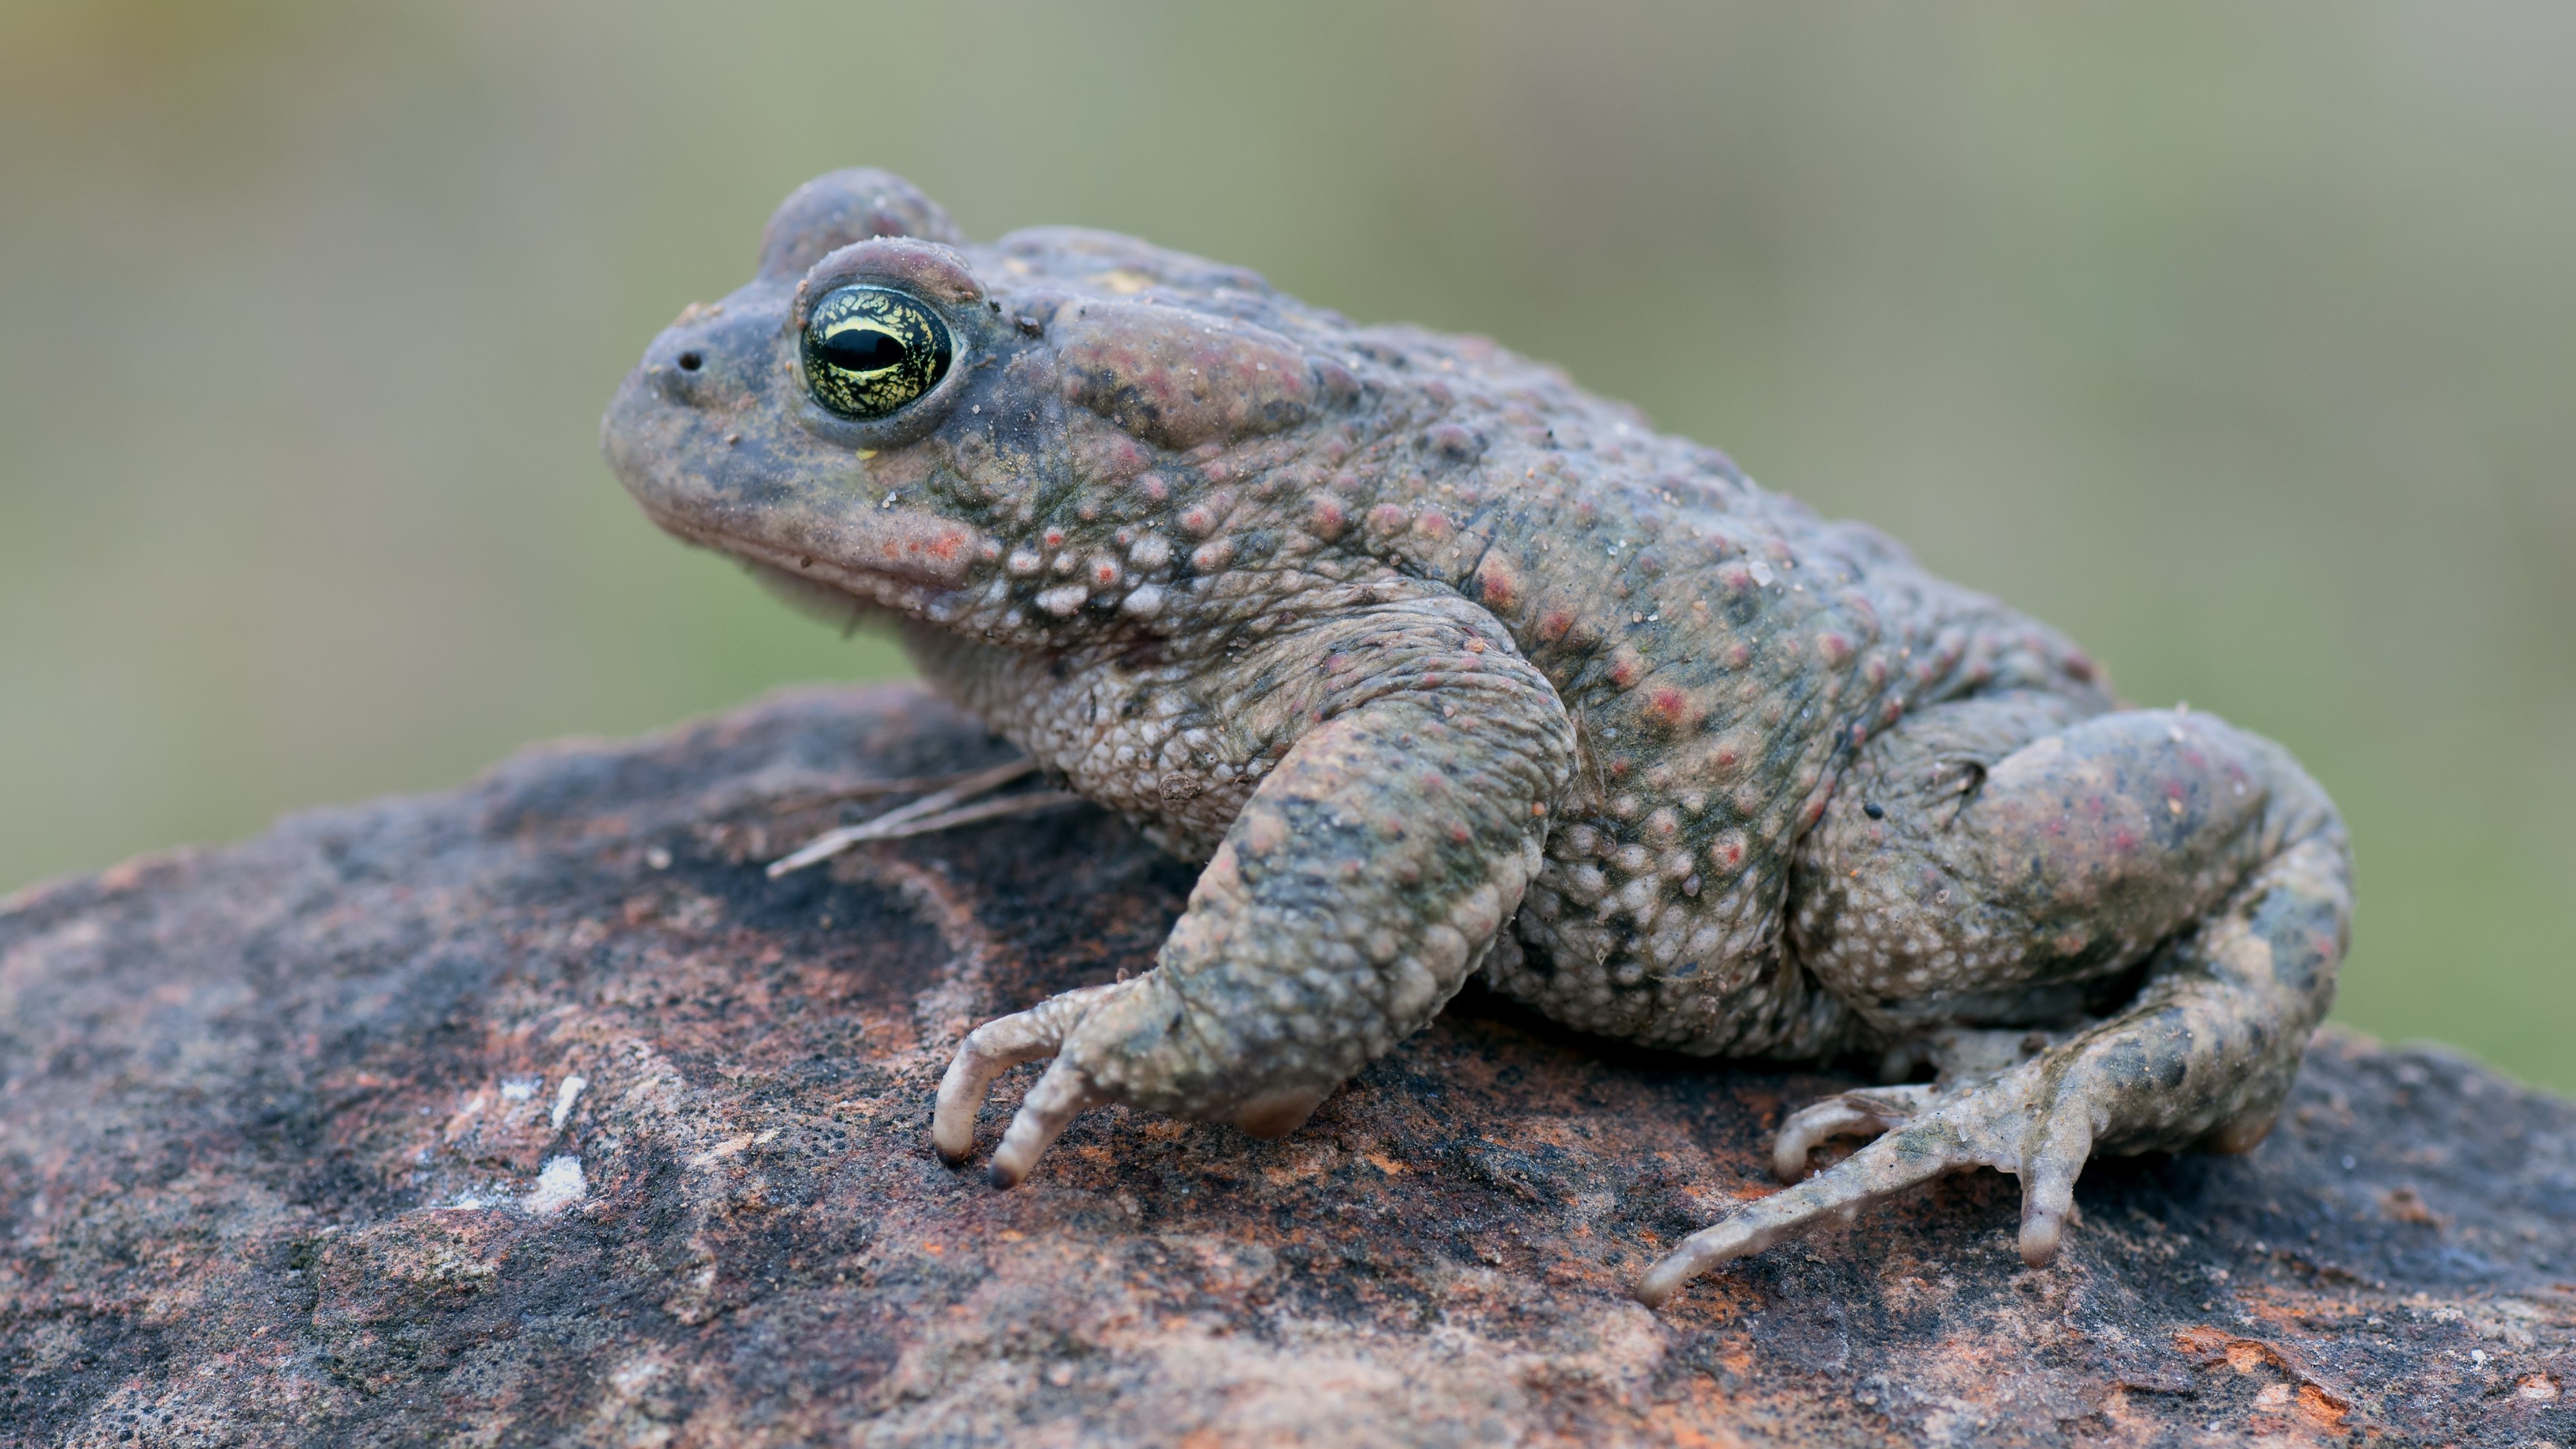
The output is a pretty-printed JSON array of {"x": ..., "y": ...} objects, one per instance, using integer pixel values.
[{"x": 862, "y": 349}]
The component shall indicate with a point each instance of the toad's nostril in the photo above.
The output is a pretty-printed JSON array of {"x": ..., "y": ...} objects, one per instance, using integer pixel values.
[{"x": 691, "y": 362}]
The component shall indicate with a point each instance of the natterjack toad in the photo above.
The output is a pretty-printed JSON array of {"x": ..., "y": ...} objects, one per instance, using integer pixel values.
[{"x": 1442, "y": 666}]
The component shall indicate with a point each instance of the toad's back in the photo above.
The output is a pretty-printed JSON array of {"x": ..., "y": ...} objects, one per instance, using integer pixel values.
[{"x": 1722, "y": 652}]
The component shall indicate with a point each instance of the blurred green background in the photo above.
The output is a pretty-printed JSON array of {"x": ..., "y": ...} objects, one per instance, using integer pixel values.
[{"x": 2237, "y": 338}]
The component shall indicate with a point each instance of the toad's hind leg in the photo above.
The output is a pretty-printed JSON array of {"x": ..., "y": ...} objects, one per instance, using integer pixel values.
[{"x": 2158, "y": 836}]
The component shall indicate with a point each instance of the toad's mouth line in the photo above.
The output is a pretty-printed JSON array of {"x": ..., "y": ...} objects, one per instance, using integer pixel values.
[{"x": 887, "y": 588}]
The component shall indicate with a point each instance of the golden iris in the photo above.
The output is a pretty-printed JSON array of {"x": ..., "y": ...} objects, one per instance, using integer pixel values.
[{"x": 870, "y": 351}]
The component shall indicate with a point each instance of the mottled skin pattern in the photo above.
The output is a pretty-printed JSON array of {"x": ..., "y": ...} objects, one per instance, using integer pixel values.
[{"x": 1441, "y": 665}]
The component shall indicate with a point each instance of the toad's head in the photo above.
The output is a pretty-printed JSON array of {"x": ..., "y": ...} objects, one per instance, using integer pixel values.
[{"x": 1029, "y": 439}]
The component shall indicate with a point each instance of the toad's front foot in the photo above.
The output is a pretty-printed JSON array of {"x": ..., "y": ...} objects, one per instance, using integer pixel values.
[
  {"x": 1124, "y": 1013},
  {"x": 997, "y": 1046}
]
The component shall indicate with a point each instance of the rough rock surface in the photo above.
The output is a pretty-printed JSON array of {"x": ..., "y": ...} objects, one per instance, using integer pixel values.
[{"x": 535, "y": 1113}]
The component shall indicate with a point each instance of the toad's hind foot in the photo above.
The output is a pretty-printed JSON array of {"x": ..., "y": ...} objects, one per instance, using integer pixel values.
[
  {"x": 2036, "y": 1121},
  {"x": 2171, "y": 840},
  {"x": 2190, "y": 1063},
  {"x": 1963, "y": 1058}
]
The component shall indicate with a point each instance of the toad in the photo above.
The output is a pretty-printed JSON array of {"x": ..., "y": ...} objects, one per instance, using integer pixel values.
[{"x": 1442, "y": 666}]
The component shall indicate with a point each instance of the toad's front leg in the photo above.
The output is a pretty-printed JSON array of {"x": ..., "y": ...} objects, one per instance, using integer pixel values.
[
  {"x": 1364, "y": 879},
  {"x": 1992, "y": 861}
]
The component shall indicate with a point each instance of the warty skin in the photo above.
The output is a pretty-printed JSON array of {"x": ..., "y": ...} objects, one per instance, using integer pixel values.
[{"x": 1442, "y": 665}]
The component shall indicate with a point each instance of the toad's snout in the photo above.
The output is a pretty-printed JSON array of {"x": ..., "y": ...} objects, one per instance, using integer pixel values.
[
  {"x": 710, "y": 357},
  {"x": 680, "y": 432},
  {"x": 694, "y": 434}
]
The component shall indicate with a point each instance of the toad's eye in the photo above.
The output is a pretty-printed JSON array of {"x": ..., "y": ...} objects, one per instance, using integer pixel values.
[{"x": 869, "y": 351}]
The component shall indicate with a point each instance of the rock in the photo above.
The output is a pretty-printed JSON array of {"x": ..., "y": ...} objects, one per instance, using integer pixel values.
[{"x": 536, "y": 1113}]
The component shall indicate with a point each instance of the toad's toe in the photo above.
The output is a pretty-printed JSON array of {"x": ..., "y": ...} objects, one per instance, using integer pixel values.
[{"x": 1847, "y": 1114}]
